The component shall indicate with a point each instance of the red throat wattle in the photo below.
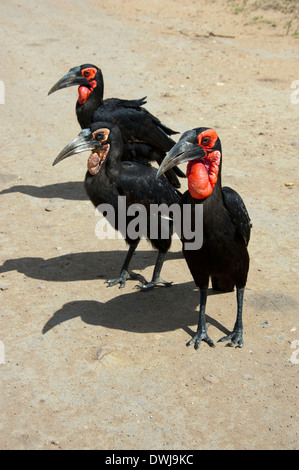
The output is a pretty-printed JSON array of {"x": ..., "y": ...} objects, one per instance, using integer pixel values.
[
  {"x": 84, "y": 91},
  {"x": 202, "y": 175}
]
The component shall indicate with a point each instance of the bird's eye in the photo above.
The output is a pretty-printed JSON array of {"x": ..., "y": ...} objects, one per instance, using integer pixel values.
[
  {"x": 206, "y": 140},
  {"x": 86, "y": 73},
  {"x": 101, "y": 135}
]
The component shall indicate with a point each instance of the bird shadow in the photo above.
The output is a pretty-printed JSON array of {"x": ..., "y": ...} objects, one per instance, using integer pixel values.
[
  {"x": 82, "y": 266},
  {"x": 135, "y": 311},
  {"x": 157, "y": 311},
  {"x": 72, "y": 190}
]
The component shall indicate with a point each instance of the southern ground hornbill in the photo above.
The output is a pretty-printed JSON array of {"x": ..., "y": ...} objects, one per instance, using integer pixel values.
[
  {"x": 135, "y": 122},
  {"x": 108, "y": 178},
  {"x": 223, "y": 255}
]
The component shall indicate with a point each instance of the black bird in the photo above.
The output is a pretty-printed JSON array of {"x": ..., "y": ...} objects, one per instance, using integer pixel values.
[
  {"x": 108, "y": 178},
  {"x": 223, "y": 255},
  {"x": 135, "y": 122}
]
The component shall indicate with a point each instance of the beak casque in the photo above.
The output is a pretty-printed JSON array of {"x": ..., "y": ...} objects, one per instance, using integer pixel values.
[
  {"x": 185, "y": 150},
  {"x": 83, "y": 142},
  {"x": 73, "y": 77}
]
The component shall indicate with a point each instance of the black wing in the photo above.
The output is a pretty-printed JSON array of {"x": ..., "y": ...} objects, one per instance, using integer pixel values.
[
  {"x": 126, "y": 103},
  {"x": 141, "y": 153},
  {"x": 139, "y": 184},
  {"x": 138, "y": 126},
  {"x": 144, "y": 153},
  {"x": 136, "y": 123},
  {"x": 238, "y": 212}
]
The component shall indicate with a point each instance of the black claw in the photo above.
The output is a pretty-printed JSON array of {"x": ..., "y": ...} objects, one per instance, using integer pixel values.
[
  {"x": 145, "y": 287},
  {"x": 191, "y": 341},
  {"x": 113, "y": 282},
  {"x": 150, "y": 285},
  {"x": 118, "y": 280},
  {"x": 198, "y": 338},
  {"x": 236, "y": 337}
]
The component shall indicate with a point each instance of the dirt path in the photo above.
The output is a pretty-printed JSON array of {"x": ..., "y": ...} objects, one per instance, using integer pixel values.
[{"x": 88, "y": 367}]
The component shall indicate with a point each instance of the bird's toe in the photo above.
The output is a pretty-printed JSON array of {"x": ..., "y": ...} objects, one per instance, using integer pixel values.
[
  {"x": 147, "y": 286},
  {"x": 236, "y": 338},
  {"x": 121, "y": 280},
  {"x": 198, "y": 338}
]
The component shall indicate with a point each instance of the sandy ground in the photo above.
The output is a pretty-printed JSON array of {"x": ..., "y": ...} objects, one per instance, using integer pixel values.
[{"x": 91, "y": 367}]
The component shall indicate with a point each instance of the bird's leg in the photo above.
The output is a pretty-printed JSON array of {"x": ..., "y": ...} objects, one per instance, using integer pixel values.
[
  {"x": 237, "y": 334},
  {"x": 156, "y": 279},
  {"x": 121, "y": 279},
  {"x": 201, "y": 334}
]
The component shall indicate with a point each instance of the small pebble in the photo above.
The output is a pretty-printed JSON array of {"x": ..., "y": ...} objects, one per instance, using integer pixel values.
[
  {"x": 247, "y": 376},
  {"x": 103, "y": 351},
  {"x": 211, "y": 378}
]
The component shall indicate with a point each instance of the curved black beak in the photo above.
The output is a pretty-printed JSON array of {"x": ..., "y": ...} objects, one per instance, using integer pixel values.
[
  {"x": 73, "y": 77},
  {"x": 84, "y": 141},
  {"x": 185, "y": 150}
]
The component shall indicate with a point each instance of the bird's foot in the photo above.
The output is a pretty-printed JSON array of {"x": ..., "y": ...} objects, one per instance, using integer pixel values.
[
  {"x": 150, "y": 285},
  {"x": 236, "y": 338},
  {"x": 121, "y": 280},
  {"x": 199, "y": 337}
]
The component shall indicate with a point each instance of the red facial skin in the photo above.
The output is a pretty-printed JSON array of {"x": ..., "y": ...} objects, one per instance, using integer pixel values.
[
  {"x": 202, "y": 173},
  {"x": 83, "y": 90}
]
